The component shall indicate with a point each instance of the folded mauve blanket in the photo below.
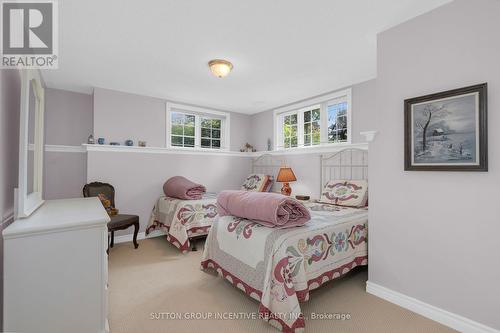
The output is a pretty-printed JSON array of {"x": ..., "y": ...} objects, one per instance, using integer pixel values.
[
  {"x": 268, "y": 209},
  {"x": 183, "y": 188}
]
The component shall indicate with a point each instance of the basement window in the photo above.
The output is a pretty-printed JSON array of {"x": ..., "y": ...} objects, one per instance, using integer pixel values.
[{"x": 191, "y": 127}]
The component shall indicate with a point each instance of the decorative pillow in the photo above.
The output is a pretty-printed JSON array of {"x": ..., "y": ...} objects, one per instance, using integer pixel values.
[
  {"x": 257, "y": 183},
  {"x": 352, "y": 193}
]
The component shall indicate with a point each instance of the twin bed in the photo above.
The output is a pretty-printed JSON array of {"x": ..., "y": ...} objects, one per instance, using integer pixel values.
[
  {"x": 182, "y": 221},
  {"x": 279, "y": 267}
]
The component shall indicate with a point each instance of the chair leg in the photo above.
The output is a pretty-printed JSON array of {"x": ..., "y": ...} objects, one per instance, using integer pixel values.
[
  {"x": 136, "y": 231},
  {"x": 112, "y": 239}
]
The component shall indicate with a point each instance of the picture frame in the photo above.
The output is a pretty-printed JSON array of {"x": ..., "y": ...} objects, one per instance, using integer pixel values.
[{"x": 447, "y": 131}]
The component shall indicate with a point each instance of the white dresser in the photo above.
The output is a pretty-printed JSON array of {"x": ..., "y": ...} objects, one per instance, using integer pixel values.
[{"x": 56, "y": 269}]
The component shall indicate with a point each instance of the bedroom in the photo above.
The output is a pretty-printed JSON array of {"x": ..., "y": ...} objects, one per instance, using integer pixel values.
[{"x": 320, "y": 97}]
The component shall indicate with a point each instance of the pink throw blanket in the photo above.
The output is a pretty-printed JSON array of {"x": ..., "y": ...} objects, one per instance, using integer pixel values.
[
  {"x": 183, "y": 188},
  {"x": 268, "y": 209}
]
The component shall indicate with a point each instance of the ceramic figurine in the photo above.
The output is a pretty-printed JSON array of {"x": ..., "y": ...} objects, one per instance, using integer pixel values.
[
  {"x": 100, "y": 141},
  {"x": 141, "y": 143},
  {"x": 114, "y": 143},
  {"x": 247, "y": 148},
  {"x": 269, "y": 145},
  {"x": 90, "y": 139},
  {"x": 129, "y": 143}
]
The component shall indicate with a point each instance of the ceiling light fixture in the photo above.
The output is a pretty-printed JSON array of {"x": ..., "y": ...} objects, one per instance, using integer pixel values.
[{"x": 219, "y": 67}]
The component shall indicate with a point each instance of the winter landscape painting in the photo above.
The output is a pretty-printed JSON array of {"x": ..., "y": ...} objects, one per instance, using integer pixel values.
[{"x": 446, "y": 131}]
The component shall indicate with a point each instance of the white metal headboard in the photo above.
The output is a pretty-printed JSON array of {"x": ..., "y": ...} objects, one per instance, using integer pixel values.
[
  {"x": 267, "y": 164},
  {"x": 348, "y": 164}
]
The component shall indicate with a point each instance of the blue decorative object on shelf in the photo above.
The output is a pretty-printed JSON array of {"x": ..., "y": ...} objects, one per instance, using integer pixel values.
[
  {"x": 100, "y": 141},
  {"x": 114, "y": 143},
  {"x": 129, "y": 143}
]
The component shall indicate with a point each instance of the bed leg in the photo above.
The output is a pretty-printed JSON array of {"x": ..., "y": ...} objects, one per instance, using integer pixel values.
[{"x": 193, "y": 248}]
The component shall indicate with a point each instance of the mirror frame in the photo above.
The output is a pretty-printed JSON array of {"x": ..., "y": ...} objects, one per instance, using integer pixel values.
[{"x": 27, "y": 203}]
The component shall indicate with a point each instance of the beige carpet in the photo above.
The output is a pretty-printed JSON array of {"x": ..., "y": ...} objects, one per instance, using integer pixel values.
[{"x": 156, "y": 278}]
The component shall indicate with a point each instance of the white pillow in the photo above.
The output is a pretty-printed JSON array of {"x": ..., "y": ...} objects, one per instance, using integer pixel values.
[
  {"x": 257, "y": 182},
  {"x": 352, "y": 193}
]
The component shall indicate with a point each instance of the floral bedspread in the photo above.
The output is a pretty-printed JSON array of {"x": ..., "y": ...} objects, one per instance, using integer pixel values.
[
  {"x": 278, "y": 267},
  {"x": 181, "y": 219}
]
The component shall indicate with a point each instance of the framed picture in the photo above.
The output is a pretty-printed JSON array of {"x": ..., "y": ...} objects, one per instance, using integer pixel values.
[{"x": 447, "y": 131}]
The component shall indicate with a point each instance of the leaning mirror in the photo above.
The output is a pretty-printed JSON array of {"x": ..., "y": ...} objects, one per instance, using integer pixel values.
[{"x": 29, "y": 192}]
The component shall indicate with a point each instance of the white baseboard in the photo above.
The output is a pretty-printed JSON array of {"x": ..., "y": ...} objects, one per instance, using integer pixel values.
[
  {"x": 444, "y": 317},
  {"x": 129, "y": 237}
]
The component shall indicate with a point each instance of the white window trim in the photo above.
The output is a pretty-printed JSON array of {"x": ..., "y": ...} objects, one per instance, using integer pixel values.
[
  {"x": 305, "y": 105},
  {"x": 198, "y": 111}
]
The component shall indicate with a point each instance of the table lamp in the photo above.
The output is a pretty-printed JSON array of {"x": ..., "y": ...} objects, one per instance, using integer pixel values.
[{"x": 286, "y": 175}]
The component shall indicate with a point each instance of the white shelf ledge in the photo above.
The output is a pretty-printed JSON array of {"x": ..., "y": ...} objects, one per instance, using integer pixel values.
[
  {"x": 162, "y": 150},
  {"x": 191, "y": 151}
]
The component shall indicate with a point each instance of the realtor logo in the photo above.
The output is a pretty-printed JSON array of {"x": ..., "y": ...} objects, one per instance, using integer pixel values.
[{"x": 29, "y": 34}]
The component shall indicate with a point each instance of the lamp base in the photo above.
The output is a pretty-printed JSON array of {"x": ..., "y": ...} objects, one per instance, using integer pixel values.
[{"x": 286, "y": 189}]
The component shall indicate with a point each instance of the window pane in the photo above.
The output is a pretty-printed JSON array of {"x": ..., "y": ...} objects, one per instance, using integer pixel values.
[
  {"x": 205, "y": 143},
  {"x": 293, "y": 119},
  {"x": 177, "y": 129},
  {"x": 216, "y": 123},
  {"x": 337, "y": 122},
  {"x": 286, "y": 131},
  {"x": 293, "y": 131},
  {"x": 216, "y": 144},
  {"x": 316, "y": 138},
  {"x": 293, "y": 142},
  {"x": 287, "y": 120},
  {"x": 342, "y": 135},
  {"x": 287, "y": 143},
  {"x": 307, "y": 128},
  {"x": 205, "y": 133},
  {"x": 307, "y": 140},
  {"x": 315, "y": 115},
  {"x": 307, "y": 116},
  {"x": 189, "y": 120},
  {"x": 205, "y": 122},
  {"x": 316, "y": 133},
  {"x": 188, "y": 142},
  {"x": 189, "y": 130},
  {"x": 216, "y": 134},
  {"x": 341, "y": 122},
  {"x": 176, "y": 140},
  {"x": 177, "y": 118}
]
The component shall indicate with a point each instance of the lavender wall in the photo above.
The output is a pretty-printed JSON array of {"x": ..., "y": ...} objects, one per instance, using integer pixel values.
[
  {"x": 434, "y": 235},
  {"x": 363, "y": 115},
  {"x": 10, "y": 91},
  {"x": 68, "y": 122},
  {"x": 138, "y": 177},
  {"x": 119, "y": 116},
  {"x": 68, "y": 117}
]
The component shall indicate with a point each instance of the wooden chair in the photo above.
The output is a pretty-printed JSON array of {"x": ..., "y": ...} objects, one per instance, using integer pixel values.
[{"x": 119, "y": 221}]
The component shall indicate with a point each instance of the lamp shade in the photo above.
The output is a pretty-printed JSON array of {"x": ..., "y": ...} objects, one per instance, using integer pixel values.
[{"x": 286, "y": 175}]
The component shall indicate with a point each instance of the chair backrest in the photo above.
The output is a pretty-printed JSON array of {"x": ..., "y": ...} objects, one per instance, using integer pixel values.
[{"x": 95, "y": 188}]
